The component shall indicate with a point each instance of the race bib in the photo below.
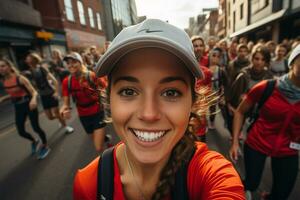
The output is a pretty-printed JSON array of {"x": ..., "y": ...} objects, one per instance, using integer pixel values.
[{"x": 295, "y": 145}]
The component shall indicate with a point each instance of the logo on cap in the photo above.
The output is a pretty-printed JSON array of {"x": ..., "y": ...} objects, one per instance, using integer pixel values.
[{"x": 149, "y": 31}]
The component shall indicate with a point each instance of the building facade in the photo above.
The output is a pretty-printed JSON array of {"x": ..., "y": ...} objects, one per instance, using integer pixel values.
[
  {"x": 22, "y": 31},
  {"x": 81, "y": 21},
  {"x": 222, "y": 19},
  {"x": 237, "y": 15},
  {"x": 268, "y": 20},
  {"x": 118, "y": 14}
]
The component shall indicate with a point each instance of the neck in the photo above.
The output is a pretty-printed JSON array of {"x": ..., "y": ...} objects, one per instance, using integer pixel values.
[
  {"x": 145, "y": 172},
  {"x": 295, "y": 80}
]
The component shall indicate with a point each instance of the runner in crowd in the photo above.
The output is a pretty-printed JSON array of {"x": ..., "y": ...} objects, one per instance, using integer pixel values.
[
  {"x": 24, "y": 98},
  {"x": 151, "y": 92},
  {"x": 58, "y": 66},
  {"x": 274, "y": 134},
  {"x": 202, "y": 86},
  {"x": 211, "y": 43},
  {"x": 199, "y": 50},
  {"x": 83, "y": 87},
  {"x": 279, "y": 65},
  {"x": 224, "y": 58},
  {"x": 232, "y": 51},
  {"x": 248, "y": 77},
  {"x": 234, "y": 68},
  {"x": 95, "y": 54},
  {"x": 219, "y": 83},
  {"x": 271, "y": 45},
  {"x": 44, "y": 82}
]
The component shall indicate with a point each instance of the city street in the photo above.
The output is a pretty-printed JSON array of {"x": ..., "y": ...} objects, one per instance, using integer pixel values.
[{"x": 24, "y": 177}]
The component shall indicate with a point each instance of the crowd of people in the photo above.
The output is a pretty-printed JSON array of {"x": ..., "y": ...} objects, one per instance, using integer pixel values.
[
  {"x": 163, "y": 90},
  {"x": 49, "y": 80}
]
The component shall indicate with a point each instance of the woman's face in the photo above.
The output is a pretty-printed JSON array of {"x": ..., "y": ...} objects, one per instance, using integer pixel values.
[
  {"x": 199, "y": 47},
  {"x": 296, "y": 67},
  {"x": 151, "y": 101},
  {"x": 258, "y": 62},
  {"x": 215, "y": 58},
  {"x": 4, "y": 68},
  {"x": 73, "y": 65}
]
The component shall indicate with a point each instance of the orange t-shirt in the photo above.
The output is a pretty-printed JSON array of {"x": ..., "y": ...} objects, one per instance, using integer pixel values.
[{"x": 210, "y": 176}]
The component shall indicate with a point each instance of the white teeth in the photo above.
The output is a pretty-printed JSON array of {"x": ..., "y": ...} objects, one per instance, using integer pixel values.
[{"x": 149, "y": 136}]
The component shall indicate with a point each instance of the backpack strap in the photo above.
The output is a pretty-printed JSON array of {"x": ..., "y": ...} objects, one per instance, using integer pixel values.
[
  {"x": 70, "y": 88},
  {"x": 265, "y": 96},
  {"x": 105, "y": 182},
  {"x": 179, "y": 191}
]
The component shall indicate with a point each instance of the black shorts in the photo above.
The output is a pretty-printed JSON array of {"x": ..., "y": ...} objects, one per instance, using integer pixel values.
[
  {"x": 92, "y": 122},
  {"x": 48, "y": 101}
]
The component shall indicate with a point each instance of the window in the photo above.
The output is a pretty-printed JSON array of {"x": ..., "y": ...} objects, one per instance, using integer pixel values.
[
  {"x": 69, "y": 10},
  {"x": 258, "y": 5},
  {"x": 228, "y": 9},
  {"x": 99, "y": 21},
  {"x": 91, "y": 16},
  {"x": 233, "y": 25},
  {"x": 81, "y": 13},
  {"x": 241, "y": 11}
]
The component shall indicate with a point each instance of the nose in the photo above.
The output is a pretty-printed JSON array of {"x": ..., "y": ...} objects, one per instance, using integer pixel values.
[{"x": 149, "y": 110}]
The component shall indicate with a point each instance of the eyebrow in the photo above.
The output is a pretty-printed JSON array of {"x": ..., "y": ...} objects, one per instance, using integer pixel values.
[
  {"x": 173, "y": 78},
  {"x": 126, "y": 78},
  {"x": 164, "y": 80}
]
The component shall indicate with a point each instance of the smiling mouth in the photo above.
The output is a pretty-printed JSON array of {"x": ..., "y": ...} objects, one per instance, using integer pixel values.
[{"x": 148, "y": 136}]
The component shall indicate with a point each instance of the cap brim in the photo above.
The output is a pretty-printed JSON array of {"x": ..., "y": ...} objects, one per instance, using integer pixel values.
[{"x": 108, "y": 61}]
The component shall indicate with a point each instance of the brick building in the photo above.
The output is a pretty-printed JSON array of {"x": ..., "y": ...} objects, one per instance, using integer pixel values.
[{"x": 81, "y": 20}]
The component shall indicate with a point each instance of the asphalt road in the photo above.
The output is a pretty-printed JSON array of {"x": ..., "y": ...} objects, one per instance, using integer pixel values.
[{"x": 24, "y": 177}]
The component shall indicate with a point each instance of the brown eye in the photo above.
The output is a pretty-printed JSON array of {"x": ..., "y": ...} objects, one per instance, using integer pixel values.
[
  {"x": 127, "y": 92},
  {"x": 171, "y": 93}
]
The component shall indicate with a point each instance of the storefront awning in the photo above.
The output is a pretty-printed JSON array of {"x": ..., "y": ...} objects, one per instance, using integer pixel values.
[{"x": 260, "y": 23}]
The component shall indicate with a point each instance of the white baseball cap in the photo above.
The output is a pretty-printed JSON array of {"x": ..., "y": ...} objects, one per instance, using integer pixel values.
[
  {"x": 150, "y": 33},
  {"x": 294, "y": 54},
  {"x": 73, "y": 55}
]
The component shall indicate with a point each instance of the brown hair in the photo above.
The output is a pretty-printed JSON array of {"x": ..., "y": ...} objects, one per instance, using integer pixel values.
[
  {"x": 264, "y": 52},
  {"x": 37, "y": 59}
]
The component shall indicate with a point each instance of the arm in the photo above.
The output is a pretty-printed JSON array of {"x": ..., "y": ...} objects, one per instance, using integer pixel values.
[
  {"x": 65, "y": 108},
  {"x": 25, "y": 82},
  {"x": 238, "y": 120}
]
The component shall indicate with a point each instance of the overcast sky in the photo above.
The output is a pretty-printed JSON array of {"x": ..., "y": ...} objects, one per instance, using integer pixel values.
[{"x": 177, "y": 12}]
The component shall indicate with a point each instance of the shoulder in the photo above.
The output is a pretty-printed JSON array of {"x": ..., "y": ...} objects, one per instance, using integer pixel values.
[
  {"x": 66, "y": 80},
  {"x": 85, "y": 183},
  {"x": 256, "y": 91},
  {"x": 215, "y": 175}
]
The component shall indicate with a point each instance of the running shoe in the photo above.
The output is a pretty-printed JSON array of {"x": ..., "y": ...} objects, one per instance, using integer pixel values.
[
  {"x": 44, "y": 151},
  {"x": 69, "y": 129},
  {"x": 34, "y": 146}
]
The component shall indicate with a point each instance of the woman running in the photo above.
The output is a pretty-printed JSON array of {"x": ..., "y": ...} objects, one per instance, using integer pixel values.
[
  {"x": 83, "y": 86},
  {"x": 275, "y": 133},
  {"x": 44, "y": 80},
  {"x": 24, "y": 98},
  {"x": 151, "y": 70}
]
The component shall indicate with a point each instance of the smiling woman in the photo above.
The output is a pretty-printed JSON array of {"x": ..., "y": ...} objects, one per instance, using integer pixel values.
[{"x": 151, "y": 76}]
